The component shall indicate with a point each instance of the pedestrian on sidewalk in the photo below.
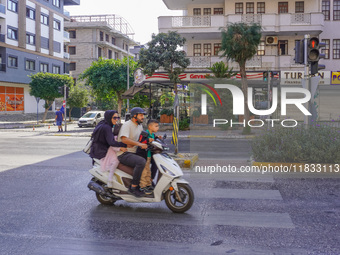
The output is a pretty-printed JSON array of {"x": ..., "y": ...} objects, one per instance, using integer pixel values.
[{"x": 59, "y": 117}]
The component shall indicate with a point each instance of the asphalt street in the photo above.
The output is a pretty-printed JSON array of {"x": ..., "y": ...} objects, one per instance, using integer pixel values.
[{"x": 46, "y": 208}]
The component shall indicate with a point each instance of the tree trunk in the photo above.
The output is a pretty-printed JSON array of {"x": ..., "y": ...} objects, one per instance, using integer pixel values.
[
  {"x": 46, "y": 111},
  {"x": 120, "y": 103},
  {"x": 69, "y": 114},
  {"x": 246, "y": 129}
]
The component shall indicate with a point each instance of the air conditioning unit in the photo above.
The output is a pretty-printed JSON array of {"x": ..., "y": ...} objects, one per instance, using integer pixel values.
[{"x": 271, "y": 40}]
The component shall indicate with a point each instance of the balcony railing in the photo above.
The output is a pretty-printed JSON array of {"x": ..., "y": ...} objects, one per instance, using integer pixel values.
[
  {"x": 2, "y": 67},
  {"x": 2, "y": 8},
  {"x": 191, "y": 21},
  {"x": 251, "y": 18},
  {"x": 2, "y": 38},
  {"x": 67, "y": 35},
  {"x": 300, "y": 18}
]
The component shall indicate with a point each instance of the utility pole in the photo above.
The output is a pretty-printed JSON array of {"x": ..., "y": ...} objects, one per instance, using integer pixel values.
[
  {"x": 64, "y": 104},
  {"x": 306, "y": 78}
]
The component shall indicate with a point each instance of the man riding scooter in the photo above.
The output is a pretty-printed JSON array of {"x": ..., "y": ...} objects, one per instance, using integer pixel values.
[{"x": 129, "y": 134}]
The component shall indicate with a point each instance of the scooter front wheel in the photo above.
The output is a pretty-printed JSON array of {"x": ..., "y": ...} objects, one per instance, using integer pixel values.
[
  {"x": 184, "y": 203},
  {"x": 105, "y": 200}
]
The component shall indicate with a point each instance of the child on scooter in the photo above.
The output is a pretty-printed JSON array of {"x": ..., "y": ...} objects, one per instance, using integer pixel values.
[{"x": 147, "y": 174}]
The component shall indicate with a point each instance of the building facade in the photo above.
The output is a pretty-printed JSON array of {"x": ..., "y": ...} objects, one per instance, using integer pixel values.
[
  {"x": 282, "y": 22},
  {"x": 95, "y": 36},
  {"x": 32, "y": 40}
]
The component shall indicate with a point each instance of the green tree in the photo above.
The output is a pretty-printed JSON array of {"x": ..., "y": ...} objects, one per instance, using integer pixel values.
[
  {"x": 108, "y": 78},
  {"x": 239, "y": 43},
  {"x": 46, "y": 87},
  {"x": 78, "y": 97},
  {"x": 221, "y": 70},
  {"x": 164, "y": 50}
]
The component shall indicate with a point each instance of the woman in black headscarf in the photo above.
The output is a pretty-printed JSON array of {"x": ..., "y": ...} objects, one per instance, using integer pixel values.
[{"x": 105, "y": 146}]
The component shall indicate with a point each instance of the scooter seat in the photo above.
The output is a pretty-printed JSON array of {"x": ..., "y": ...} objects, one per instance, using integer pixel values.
[{"x": 126, "y": 169}]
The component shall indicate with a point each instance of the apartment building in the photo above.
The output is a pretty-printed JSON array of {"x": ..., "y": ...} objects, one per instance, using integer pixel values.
[
  {"x": 32, "y": 40},
  {"x": 283, "y": 22},
  {"x": 95, "y": 36}
]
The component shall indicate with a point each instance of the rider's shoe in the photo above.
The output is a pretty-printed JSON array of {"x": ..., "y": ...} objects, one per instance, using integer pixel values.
[
  {"x": 136, "y": 192},
  {"x": 146, "y": 191}
]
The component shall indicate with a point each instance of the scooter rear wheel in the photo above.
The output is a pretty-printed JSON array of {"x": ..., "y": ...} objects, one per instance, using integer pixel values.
[
  {"x": 105, "y": 200},
  {"x": 186, "y": 194}
]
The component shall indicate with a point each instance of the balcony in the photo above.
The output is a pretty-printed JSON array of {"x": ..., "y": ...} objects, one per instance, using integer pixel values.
[
  {"x": 282, "y": 24},
  {"x": 257, "y": 62},
  {"x": 66, "y": 36},
  {"x": 66, "y": 55}
]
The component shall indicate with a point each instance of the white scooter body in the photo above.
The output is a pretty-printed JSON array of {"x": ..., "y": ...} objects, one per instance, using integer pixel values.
[{"x": 169, "y": 171}]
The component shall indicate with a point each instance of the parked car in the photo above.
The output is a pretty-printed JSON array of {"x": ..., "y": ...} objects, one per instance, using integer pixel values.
[{"x": 91, "y": 118}]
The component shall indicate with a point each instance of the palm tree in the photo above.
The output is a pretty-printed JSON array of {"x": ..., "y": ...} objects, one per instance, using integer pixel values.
[{"x": 239, "y": 44}]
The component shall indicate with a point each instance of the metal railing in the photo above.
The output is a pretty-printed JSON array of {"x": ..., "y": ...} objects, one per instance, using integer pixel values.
[
  {"x": 191, "y": 21},
  {"x": 116, "y": 22}
]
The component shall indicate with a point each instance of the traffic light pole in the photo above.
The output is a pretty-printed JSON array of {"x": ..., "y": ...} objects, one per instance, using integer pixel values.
[
  {"x": 65, "y": 115},
  {"x": 306, "y": 77}
]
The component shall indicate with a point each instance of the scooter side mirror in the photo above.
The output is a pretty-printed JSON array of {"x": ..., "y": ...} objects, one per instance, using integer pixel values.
[{"x": 164, "y": 136}]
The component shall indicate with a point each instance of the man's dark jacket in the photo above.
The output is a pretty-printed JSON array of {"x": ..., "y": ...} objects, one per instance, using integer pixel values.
[{"x": 103, "y": 137}]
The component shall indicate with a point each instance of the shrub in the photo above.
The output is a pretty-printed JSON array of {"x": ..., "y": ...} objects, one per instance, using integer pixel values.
[
  {"x": 317, "y": 144},
  {"x": 184, "y": 124}
]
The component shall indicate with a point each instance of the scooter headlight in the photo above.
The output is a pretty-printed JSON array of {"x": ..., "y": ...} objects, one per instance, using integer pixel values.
[{"x": 167, "y": 171}]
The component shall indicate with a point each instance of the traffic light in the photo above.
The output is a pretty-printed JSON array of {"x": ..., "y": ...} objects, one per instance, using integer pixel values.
[
  {"x": 299, "y": 52},
  {"x": 265, "y": 76},
  {"x": 61, "y": 91},
  {"x": 314, "y": 55}
]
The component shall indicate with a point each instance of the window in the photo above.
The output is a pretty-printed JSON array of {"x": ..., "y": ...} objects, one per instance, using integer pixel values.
[
  {"x": 261, "y": 7},
  {"x": 44, "y": 67},
  {"x": 326, "y": 9},
  {"x": 56, "y": 3},
  {"x": 207, "y": 49},
  {"x": 260, "y": 49},
  {"x": 250, "y": 8},
  {"x": 56, "y": 24},
  {"x": 30, "y": 13},
  {"x": 30, "y": 65},
  {"x": 283, "y": 7},
  {"x": 197, "y": 50},
  {"x": 113, "y": 41},
  {"x": 207, "y": 11},
  {"x": 30, "y": 39},
  {"x": 238, "y": 8},
  {"x": 99, "y": 52},
  {"x": 56, "y": 69},
  {"x": 336, "y": 48},
  {"x": 116, "y": 55},
  {"x": 110, "y": 54},
  {"x": 12, "y": 61},
  {"x": 283, "y": 47},
  {"x": 73, "y": 66},
  {"x": 218, "y": 11},
  {"x": 217, "y": 47},
  {"x": 326, "y": 49},
  {"x": 12, "y": 33},
  {"x": 299, "y": 7},
  {"x": 336, "y": 11},
  {"x": 197, "y": 11},
  {"x": 73, "y": 34},
  {"x": 44, "y": 19},
  {"x": 72, "y": 50},
  {"x": 107, "y": 38},
  {"x": 101, "y": 36},
  {"x": 12, "y": 6}
]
